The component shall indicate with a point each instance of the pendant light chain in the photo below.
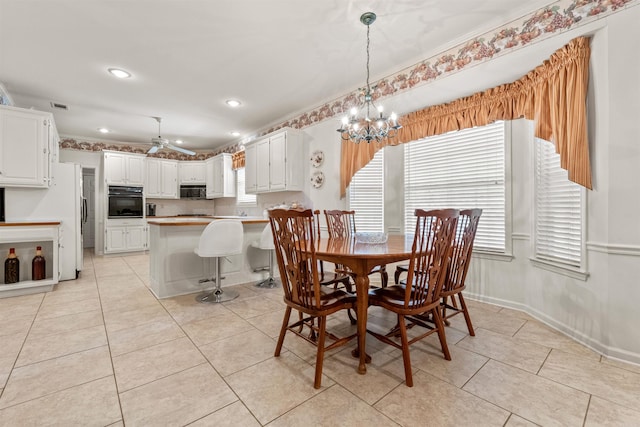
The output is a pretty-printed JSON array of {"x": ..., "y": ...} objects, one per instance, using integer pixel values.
[{"x": 357, "y": 127}]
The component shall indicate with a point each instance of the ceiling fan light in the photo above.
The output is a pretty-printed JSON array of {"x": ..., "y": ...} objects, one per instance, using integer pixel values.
[{"x": 119, "y": 73}]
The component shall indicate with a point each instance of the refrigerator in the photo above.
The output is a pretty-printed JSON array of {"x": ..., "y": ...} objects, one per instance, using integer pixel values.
[{"x": 63, "y": 201}]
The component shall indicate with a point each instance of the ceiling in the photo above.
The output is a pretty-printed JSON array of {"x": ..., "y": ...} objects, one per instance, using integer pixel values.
[{"x": 278, "y": 57}]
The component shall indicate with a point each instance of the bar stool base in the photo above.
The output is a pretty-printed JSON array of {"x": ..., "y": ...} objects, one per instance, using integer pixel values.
[
  {"x": 267, "y": 283},
  {"x": 217, "y": 295}
]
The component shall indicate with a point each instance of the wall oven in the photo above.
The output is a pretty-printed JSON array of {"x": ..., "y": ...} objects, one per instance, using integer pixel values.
[{"x": 125, "y": 202}]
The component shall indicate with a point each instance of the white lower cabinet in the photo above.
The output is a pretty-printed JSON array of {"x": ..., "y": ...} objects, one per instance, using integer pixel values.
[{"x": 125, "y": 238}]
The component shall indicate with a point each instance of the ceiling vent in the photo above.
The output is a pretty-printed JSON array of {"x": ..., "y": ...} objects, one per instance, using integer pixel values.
[{"x": 59, "y": 106}]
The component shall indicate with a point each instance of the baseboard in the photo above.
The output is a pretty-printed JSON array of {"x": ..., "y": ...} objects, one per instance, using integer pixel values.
[{"x": 595, "y": 345}]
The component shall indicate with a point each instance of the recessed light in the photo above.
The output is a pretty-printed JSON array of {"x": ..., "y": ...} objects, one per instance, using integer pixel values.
[
  {"x": 233, "y": 103},
  {"x": 103, "y": 130},
  {"x": 178, "y": 141},
  {"x": 121, "y": 74},
  {"x": 235, "y": 133}
]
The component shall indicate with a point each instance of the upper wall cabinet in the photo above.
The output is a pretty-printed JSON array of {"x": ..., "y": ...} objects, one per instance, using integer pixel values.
[
  {"x": 162, "y": 179},
  {"x": 27, "y": 142},
  {"x": 276, "y": 163},
  {"x": 220, "y": 177},
  {"x": 124, "y": 168},
  {"x": 192, "y": 172},
  {"x": 250, "y": 173}
]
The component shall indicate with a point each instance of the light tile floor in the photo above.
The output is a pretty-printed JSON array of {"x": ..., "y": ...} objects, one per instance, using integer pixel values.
[{"x": 102, "y": 350}]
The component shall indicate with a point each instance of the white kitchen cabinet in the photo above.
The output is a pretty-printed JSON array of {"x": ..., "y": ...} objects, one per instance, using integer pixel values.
[
  {"x": 24, "y": 239},
  {"x": 124, "y": 168},
  {"x": 250, "y": 165},
  {"x": 262, "y": 166},
  {"x": 278, "y": 163},
  {"x": 162, "y": 179},
  {"x": 125, "y": 236},
  {"x": 27, "y": 138},
  {"x": 220, "y": 177},
  {"x": 192, "y": 172}
]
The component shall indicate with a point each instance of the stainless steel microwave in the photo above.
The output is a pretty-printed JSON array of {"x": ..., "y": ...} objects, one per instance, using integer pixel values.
[{"x": 193, "y": 191}]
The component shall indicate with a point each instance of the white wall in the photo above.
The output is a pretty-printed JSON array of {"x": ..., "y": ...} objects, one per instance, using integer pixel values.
[{"x": 601, "y": 311}]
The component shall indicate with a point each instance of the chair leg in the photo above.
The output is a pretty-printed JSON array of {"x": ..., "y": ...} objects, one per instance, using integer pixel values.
[
  {"x": 322, "y": 325},
  {"x": 384, "y": 276},
  {"x": 437, "y": 318},
  {"x": 467, "y": 318},
  {"x": 352, "y": 318},
  {"x": 396, "y": 275},
  {"x": 406, "y": 357},
  {"x": 283, "y": 330},
  {"x": 444, "y": 310}
]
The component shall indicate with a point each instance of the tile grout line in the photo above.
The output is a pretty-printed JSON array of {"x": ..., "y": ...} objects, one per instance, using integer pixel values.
[
  {"x": 207, "y": 361},
  {"x": 104, "y": 325},
  {"x": 13, "y": 366},
  {"x": 586, "y": 413}
]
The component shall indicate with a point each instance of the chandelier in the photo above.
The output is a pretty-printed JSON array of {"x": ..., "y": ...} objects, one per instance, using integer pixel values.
[{"x": 360, "y": 125}]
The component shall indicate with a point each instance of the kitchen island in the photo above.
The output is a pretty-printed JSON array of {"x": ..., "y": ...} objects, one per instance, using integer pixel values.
[{"x": 174, "y": 267}]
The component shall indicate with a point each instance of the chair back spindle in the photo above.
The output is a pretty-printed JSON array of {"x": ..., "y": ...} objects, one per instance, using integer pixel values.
[
  {"x": 432, "y": 245},
  {"x": 462, "y": 249},
  {"x": 293, "y": 233},
  {"x": 340, "y": 223}
]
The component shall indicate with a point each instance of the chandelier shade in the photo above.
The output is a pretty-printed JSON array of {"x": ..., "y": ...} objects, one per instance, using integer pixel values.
[{"x": 368, "y": 122}]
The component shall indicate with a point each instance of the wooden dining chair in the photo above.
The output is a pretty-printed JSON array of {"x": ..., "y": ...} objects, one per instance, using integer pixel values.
[
  {"x": 430, "y": 253},
  {"x": 293, "y": 234},
  {"x": 337, "y": 276},
  {"x": 454, "y": 283},
  {"x": 342, "y": 224}
]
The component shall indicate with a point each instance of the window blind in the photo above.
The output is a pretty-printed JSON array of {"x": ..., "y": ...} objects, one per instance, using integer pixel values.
[
  {"x": 558, "y": 204},
  {"x": 366, "y": 195},
  {"x": 462, "y": 169},
  {"x": 243, "y": 199}
]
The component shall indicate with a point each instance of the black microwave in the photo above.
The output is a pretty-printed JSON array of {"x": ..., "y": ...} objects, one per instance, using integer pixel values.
[{"x": 193, "y": 191}]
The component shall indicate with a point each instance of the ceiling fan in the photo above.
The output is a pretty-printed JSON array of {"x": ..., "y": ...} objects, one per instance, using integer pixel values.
[{"x": 160, "y": 143}]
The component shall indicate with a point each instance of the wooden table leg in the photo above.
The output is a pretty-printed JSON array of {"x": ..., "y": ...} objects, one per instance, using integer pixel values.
[{"x": 362, "y": 292}]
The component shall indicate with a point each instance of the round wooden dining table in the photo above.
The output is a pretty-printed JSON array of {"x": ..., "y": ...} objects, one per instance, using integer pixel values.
[{"x": 361, "y": 258}]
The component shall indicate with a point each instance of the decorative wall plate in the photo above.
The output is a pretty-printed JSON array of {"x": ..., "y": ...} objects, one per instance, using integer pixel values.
[
  {"x": 317, "y": 179},
  {"x": 317, "y": 158}
]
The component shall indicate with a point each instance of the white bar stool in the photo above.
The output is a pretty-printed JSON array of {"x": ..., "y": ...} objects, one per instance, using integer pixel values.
[
  {"x": 266, "y": 243},
  {"x": 221, "y": 238}
]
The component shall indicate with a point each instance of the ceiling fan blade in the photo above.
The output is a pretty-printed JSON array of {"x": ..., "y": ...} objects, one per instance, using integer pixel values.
[
  {"x": 153, "y": 149},
  {"x": 182, "y": 150}
]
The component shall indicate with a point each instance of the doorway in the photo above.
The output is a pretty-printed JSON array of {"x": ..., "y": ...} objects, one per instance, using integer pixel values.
[{"x": 89, "y": 193}]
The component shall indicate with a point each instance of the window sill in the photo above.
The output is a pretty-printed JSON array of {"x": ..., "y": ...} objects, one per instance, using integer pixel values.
[
  {"x": 493, "y": 256},
  {"x": 565, "y": 270}
]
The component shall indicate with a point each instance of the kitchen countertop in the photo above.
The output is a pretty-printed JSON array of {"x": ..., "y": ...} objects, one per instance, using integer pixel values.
[
  {"x": 200, "y": 220},
  {"x": 27, "y": 223}
]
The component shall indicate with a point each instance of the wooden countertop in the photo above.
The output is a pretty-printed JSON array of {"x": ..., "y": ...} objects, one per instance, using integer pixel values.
[
  {"x": 181, "y": 221},
  {"x": 28, "y": 223}
]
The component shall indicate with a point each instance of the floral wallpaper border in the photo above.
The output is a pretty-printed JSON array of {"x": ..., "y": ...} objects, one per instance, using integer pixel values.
[
  {"x": 543, "y": 23},
  {"x": 74, "y": 144}
]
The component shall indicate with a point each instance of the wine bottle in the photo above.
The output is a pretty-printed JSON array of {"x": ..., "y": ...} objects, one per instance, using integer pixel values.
[
  {"x": 12, "y": 268},
  {"x": 38, "y": 266}
]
